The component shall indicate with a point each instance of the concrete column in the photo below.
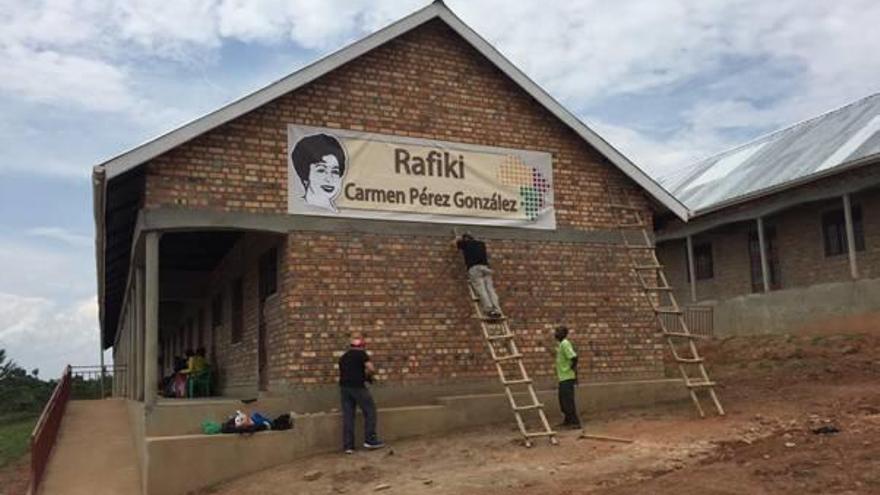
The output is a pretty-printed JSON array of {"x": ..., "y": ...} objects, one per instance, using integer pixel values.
[
  {"x": 690, "y": 267},
  {"x": 123, "y": 353},
  {"x": 765, "y": 272},
  {"x": 115, "y": 372},
  {"x": 101, "y": 359},
  {"x": 132, "y": 343},
  {"x": 139, "y": 331},
  {"x": 850, "y": 237},
  {"x": 128, "y": 353},
  {"x": 151, "y": 317}
]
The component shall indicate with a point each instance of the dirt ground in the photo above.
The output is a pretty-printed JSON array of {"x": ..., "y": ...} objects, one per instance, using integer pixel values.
[{"x": 785, "y": 396}]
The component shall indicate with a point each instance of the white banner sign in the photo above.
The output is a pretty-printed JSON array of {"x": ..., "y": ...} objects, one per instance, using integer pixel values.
[{"x": 351, "y": 174}]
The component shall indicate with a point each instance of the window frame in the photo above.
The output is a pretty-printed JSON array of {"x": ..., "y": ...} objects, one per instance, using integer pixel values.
[
  {"x": 836, "y": 218},
  {"x": 773, "y": 264},
  {"x": 700, "y": 250}
]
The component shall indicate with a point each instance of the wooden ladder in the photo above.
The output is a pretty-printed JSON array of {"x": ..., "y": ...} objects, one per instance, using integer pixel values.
[
  {"x": 503, "y": 349},
  {"x": 649, "y": 272}
]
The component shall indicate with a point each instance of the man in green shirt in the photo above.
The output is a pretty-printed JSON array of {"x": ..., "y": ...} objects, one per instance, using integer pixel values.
[{"x": 566, "y": 372}]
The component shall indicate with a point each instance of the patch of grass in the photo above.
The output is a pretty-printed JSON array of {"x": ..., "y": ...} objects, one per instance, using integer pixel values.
[{"x": 15, "y": 432}]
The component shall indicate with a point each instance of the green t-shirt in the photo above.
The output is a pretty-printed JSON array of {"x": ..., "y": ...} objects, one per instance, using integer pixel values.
[{"x": 564, "y": 354}]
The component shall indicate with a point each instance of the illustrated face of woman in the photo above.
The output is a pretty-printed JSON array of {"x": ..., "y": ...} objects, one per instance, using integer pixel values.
[{"x": 325, "y": 177}]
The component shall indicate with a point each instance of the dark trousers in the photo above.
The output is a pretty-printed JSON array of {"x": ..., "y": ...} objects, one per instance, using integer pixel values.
[
  {"x": 353, "y": 397},
  {"x": 566, "y": 402}
]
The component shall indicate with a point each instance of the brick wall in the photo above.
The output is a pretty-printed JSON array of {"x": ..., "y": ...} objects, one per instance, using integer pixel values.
[
  {"x": 407, "y": 293},
  {"x": 428, "y": 83},
  {"x": 408, "y": 297},
  {"x": 800, "y": 249}
]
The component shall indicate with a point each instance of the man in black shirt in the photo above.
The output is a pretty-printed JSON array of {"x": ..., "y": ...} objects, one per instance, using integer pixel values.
[
  {"x": 355, "y": 369},
  {"x": 480, "y": 276}
]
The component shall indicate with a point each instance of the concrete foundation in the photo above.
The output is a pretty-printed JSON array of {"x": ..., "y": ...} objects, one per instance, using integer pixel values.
[
  {"x": 178, "y": 460},
  {"x": 793, "y": 310}
]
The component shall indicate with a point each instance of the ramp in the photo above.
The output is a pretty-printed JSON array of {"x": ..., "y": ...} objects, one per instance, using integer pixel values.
[{"x": 94, "y": 453}]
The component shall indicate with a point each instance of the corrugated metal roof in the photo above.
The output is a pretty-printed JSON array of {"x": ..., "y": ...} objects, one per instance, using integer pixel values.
[{"x": 818, "y": 145}]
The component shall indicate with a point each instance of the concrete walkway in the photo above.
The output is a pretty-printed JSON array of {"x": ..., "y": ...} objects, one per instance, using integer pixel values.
[{"x": 95, "y": 452}]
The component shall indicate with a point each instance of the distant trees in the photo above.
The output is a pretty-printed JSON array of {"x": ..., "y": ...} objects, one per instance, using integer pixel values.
[{"x": 21, "y": 392}]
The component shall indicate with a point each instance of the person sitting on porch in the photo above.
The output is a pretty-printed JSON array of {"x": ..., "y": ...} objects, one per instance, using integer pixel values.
[
  {"x": 196, "y": 362},
  {"x": 170, "y": 383},
  {"x": 198, "y": 373},
  {"x": 180, "y": 374}
]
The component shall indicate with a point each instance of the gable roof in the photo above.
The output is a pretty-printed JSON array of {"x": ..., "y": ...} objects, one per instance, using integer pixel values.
[
  {"x": 437, "y": 10},
  {"x": 830, "y": 143}
]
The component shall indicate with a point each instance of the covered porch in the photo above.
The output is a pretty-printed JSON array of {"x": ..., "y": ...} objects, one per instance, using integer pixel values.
[{"x": 197, "y": 292}]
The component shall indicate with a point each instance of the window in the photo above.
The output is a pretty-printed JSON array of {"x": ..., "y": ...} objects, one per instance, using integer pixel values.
[
  {"x": 268, "y": 273},
  {"x": 834, "y": 231},
  {"x": 772, "y": 259},
  {"x": 702, "y": 261},
  {"x": 237, "y": 310},
  {"x": 217, "y": 310}
]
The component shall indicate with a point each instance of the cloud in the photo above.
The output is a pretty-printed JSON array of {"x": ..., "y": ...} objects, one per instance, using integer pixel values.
[
  {"x": 732, "y": 69},
  {"x": 39, "y": 333},
  {"x": 48, "y": 271},
  {"x": 61, "y": 79},
  {"x": 63, "y": 235},
  {"x": 48, "y": 306}
]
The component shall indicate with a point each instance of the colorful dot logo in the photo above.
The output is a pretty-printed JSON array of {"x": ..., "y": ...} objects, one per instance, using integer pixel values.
[{"x": 533, "y": 186}]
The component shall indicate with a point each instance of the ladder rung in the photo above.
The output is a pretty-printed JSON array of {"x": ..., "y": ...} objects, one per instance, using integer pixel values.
[
  {"x": 637, "y": 225},
  {"x": 656, "y": 287},
  {"x": 689, "y": 360},
  {"x": 625, "y": 207},
  {"x": 509, "y": 357},
  {"x": 490, "y": 319},
  {"x": 682, "y": 335},
  {"x": 667, "y": 311},
  {"x": 500, "y": 337},
  {"x": 648, "y": 267},
  {"x": 521, "y": 381},
  {"x": 700, "y": 384},
  {"x": 541, "y": 434},
  {"x": 530, "y": 406},
  {"x": 640, "y": 246}
]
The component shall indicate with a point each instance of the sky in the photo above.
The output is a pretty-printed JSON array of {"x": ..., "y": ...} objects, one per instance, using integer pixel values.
[{"x": 666, "y": 81}]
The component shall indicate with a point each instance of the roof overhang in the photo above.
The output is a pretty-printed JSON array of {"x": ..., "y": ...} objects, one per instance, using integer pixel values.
[
  {"x": 778, "y": 198},
  {"x": 761, "y": 193},
  {"x": 437, "y": 10}
]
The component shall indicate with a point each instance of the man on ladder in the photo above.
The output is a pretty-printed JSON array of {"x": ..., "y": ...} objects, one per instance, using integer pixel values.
[{"x": 479, "y": 274}]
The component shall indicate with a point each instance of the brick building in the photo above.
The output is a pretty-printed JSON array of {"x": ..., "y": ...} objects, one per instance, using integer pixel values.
[
  {"x": 197, "y": 245},
  {"x": 783, "y": 231}
]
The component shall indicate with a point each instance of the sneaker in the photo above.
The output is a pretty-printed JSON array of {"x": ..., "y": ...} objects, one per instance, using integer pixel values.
[
  {"x": 495, "y": 314},
  {"x": 349, "y": 451},
  {"x": 374, "y": 445}
]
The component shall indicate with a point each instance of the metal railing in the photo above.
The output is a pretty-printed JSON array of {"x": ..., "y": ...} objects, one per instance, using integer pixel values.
[
  {"x": 46, "y": 430},
  {"x": 95, "y": 382},
  {"x": 699, "y": 320}
]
